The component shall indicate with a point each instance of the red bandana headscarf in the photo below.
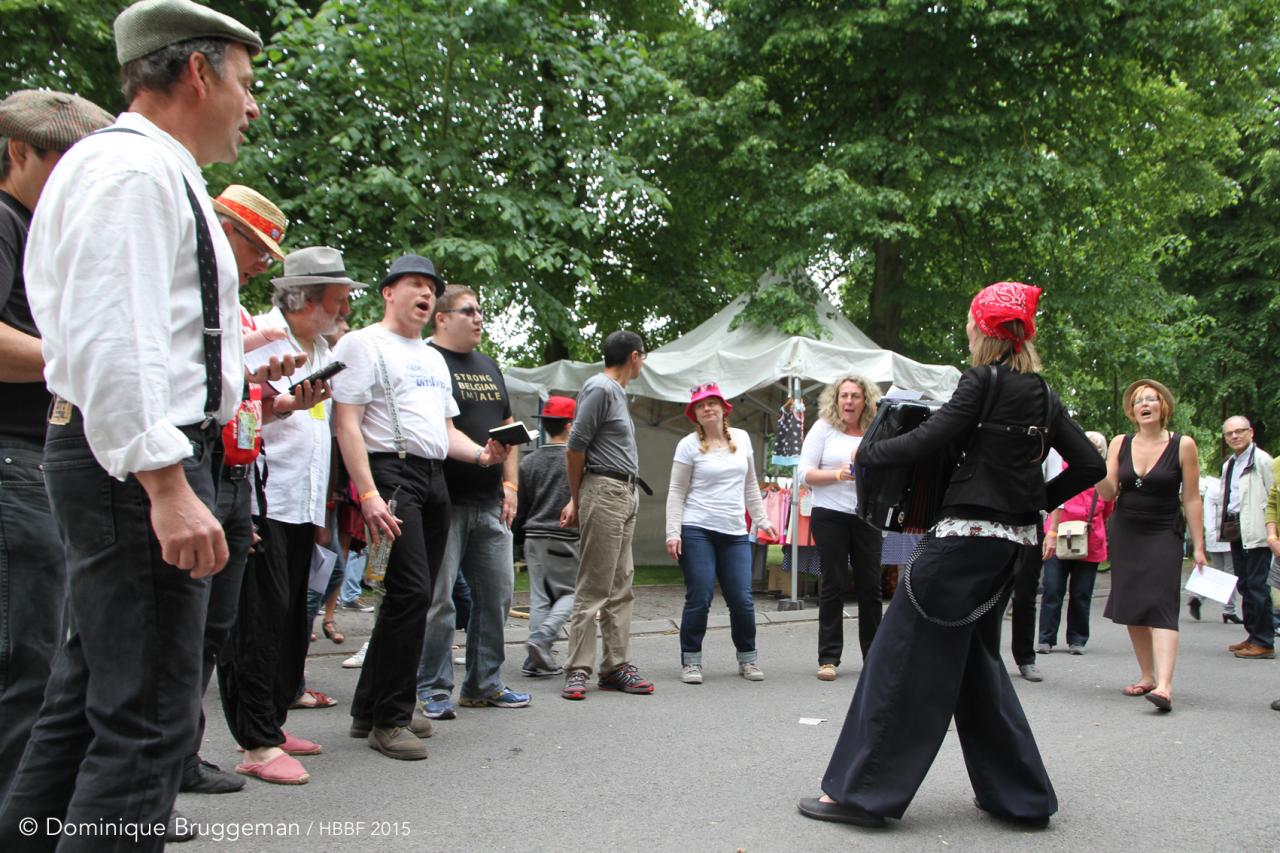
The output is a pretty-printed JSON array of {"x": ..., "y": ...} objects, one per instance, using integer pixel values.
[{"x": 1001, "y": 302}]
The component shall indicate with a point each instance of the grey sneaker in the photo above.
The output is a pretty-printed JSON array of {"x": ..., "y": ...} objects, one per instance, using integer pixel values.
[
  {"x": 691, "y": 674},
  {"x": 1043, "y": 649},
  {"x": 1075, "y": 649},
  {"x": 359, "y": 605},
  {"x": 540, "y": 653},
  {"x": 397, "y": 742},
  {"x": 750, "y": 671},
  {"x": 1030, "y": 672}
]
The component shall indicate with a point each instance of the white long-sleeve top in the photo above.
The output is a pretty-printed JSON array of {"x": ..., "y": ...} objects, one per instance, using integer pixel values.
[
  {"x": 298, "y": 449},
  {"x": 114, "y": 288},
  {"x": 827, "y": 448},
  {"x": 713, "y": 490}
]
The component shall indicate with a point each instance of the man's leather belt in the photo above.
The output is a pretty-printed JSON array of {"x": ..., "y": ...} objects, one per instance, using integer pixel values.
[
  {"x": 236, "y": 472},
  {"x": 623, "y": 476}
]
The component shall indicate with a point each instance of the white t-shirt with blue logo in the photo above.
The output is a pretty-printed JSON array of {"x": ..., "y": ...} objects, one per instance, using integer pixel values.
[{"x": 420, "y": 381}]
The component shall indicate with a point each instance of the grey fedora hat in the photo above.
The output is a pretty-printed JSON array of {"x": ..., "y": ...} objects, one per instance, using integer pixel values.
[
  {"x": 412, "y": 265},
  {"x": 315, "y": 265}
]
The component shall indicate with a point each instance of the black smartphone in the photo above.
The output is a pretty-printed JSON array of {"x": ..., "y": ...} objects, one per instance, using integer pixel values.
[{"x": 330, "y": 370}]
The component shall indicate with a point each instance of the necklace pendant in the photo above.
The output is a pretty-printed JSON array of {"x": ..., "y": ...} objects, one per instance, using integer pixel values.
[{"x": 1137, "y": 484}]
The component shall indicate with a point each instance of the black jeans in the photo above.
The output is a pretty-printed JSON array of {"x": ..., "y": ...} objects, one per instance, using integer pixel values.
[
  {"x": 919, "y": 675},
  {"x": 387, "y": 690},
  {"x": 1026, "y": 580},
  {"x": 259, "y": 672},
  {"x": 1252, "y": 566},
  {"x": 232, "y": 511},
  {"x": 122, "y": 706},
  {"x": 33, "y": 597},
  {"x": 843, "y": 538}
]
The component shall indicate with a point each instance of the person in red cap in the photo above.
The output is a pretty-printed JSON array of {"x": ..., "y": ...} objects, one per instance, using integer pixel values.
[
  {"x": 937, "y": 653},
  {"x": 551, "y": 551},
  {"x": 713, "y": 486}
]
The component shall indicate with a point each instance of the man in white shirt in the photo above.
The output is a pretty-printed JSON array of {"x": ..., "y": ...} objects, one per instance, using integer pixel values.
[
  {"x": 269, "y": 649},
  {"x": 126, "y": 270},
  {"x": 393, "y": 412}
]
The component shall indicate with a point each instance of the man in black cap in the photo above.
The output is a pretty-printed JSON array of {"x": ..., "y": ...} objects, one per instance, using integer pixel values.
[
  {"x": 36, "y": 129},
  {"x": 393, "y": 415},
  {"x": 134, "y": 289}
]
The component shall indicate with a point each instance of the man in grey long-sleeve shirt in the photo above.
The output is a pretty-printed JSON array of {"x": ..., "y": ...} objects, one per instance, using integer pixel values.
[{"x": 603, "y": 466}]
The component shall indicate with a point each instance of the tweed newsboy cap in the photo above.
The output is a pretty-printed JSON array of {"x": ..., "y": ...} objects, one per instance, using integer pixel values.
[
  {"x": 149, "y": 25},
  {"x": 53, "y": 121}
]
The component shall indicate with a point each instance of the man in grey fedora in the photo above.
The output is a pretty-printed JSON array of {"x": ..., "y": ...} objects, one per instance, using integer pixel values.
[
  {"x": 269, "y": 644},
  {"x": 134, "y": 289},
  {"x": 36, "y": 129}
]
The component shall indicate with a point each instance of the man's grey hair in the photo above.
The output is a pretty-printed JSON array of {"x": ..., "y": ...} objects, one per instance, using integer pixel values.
[
  {"x": 291, "y": 300},
  {"x": 1247, "y": 423},
  {"x": 160, "y": 69}
]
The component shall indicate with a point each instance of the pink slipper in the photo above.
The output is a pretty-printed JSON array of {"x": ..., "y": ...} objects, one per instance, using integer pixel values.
[
  {"x": 281, "y": 770},
  {"x": 300, "y": 746}
]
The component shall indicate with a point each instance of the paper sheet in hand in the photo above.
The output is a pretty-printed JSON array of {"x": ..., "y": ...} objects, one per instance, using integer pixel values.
[
  {"x": 322, "y": 560},
  {"x": 1212, "y": 583}
]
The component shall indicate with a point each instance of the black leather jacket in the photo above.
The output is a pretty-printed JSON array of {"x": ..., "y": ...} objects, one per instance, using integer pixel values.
[{"x": 998, "y": 477}]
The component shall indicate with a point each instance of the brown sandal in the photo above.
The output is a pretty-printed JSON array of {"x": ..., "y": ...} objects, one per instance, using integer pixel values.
[
  {"x": 331, "y": 631},
  {"x": 1138, "y": 689}
]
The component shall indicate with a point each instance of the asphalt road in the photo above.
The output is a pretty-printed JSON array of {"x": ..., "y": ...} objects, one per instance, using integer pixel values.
[{"x": 719, "y": 767}]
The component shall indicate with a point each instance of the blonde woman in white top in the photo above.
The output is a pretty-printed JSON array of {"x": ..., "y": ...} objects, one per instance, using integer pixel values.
[
  {"x": 846, "y": 408},
  {"x": 713, "y": 485}
]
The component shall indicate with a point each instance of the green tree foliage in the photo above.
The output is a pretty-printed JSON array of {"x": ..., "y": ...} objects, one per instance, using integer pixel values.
[{"x": 485, "y": 135}]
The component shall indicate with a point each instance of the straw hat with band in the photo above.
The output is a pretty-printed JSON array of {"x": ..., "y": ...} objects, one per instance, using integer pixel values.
[
  {"x": 252, "y": 210},
  {"x": 702, "y": 392},
  {"x": 1165, "y": 395},
  {"x": 314, "y": 265}
]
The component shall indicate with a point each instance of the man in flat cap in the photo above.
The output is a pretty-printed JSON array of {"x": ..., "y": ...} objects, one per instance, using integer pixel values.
[
  {"x": 36, "y": 129},
  {"x": 264, "y": 664},
  {"x": 393, "y": 413},
  {"x": 134, "y": 289}
]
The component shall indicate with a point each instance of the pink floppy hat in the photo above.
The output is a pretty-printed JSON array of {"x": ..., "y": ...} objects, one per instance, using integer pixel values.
[{"x": 702, "y": 392}]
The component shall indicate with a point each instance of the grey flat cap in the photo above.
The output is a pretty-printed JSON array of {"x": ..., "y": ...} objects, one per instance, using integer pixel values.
[
  {"x": 315, "y": 265},
  {"x": 149, "y": 25},
  {"x": 53, "y": 121}
]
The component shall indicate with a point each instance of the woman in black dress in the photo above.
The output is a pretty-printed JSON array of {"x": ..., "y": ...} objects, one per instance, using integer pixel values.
[
  {"x": 1147, "y": 531},
  {"x": 937, "y": 652}
]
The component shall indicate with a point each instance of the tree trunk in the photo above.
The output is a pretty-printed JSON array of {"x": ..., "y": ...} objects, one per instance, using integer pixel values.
[{"x": 885, "y": 302}]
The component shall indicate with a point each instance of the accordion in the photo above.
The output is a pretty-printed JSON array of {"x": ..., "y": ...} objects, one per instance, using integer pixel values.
[{"x": 905, "y": 498}]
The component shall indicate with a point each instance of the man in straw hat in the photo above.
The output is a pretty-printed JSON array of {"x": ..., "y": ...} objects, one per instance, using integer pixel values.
[
  {"x": 36, "y": 129},
  {"x": 394, "y": 421},
  {"x": 265, "y": 662},
  {"x": 135, "y": 292}
]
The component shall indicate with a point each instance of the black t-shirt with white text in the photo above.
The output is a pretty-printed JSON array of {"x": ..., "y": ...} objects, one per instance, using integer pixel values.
[
  {"x": 24, "y": 406},
  {"x": 483, "y": 404}
]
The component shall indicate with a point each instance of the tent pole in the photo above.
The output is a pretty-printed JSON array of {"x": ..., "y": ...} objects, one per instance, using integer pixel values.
[{"x": 794, "y": 603}]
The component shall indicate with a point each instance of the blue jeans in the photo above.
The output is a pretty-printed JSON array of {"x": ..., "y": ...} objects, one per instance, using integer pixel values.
[
  {"x": 481, "y": 546},
  {"x": 352, "y": 576},
  {"x": 33, "y": 593},
  {"x": 705, "y": 556},
  {"x": 1082, "y": 576}
]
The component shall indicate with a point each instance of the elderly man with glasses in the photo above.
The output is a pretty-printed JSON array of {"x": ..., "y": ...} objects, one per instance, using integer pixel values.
[{"x": 1246, "y": 482}]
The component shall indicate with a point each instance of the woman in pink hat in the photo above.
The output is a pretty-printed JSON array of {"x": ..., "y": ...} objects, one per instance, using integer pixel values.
[{"x": 713, "y": 486}]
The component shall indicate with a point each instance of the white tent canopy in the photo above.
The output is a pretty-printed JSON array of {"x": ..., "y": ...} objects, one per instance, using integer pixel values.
[{"x": 753, "y": 365}]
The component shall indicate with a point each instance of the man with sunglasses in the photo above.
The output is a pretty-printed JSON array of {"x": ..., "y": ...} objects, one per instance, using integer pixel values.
[{"x": 480, "y": 538}]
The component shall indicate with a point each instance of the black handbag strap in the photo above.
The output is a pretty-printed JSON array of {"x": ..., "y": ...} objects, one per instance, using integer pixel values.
[{"x": 207, "y": 265}]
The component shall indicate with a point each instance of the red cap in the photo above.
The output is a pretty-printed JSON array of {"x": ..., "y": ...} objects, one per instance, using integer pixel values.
[{"x": 559, "y": 407}]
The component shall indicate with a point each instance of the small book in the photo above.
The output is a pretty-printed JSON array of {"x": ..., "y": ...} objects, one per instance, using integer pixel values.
[{"x": 513, "y": 433}]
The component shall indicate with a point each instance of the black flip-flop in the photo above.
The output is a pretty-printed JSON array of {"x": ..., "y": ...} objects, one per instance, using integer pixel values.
[
  {"x": 814, "y": 808},
  {"x": 1164, "y": 703}
]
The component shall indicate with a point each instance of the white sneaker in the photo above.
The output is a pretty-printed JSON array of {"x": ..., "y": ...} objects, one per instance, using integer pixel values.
[
  {"x": 691, "y": 674},
  {"x": 357, "y": 660},
  {"x": 750, "y": 671}
]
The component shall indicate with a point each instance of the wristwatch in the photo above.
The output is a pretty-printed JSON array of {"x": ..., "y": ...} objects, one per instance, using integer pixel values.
[{"x": 479, "y": 453}]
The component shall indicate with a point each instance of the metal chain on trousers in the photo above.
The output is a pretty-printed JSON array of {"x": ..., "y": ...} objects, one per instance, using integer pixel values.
[{"x": 982, "y": 609}]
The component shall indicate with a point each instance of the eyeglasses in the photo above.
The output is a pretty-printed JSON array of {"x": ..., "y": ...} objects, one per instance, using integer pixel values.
[
  {"x": 1232, "y": 433},
  {"x": 1139, "y": 400},
  {"x": 264, "y": 256},
  {"x": 469, "y": 310}
]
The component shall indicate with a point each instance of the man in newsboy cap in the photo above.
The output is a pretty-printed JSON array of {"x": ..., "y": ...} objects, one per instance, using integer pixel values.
[
  {"x": 134, "y": 288},
  {"x": 36, "y": 129}
]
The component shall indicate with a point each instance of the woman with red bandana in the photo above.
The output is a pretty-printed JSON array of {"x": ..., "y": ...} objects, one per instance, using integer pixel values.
[
  {"x": 1147, "y": 532},
  {"x": 937, "y": 653}
]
